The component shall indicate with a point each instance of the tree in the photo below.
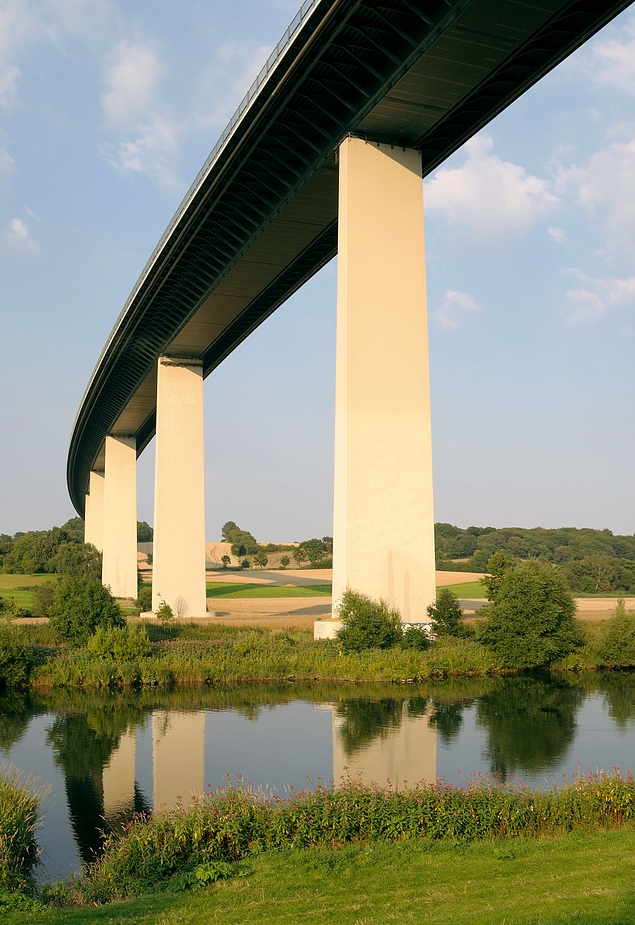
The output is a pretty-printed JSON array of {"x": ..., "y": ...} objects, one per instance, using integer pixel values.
[
  {"x": 284, "y": 561},
  {"x": 299, "y": 554},
  {"x": 242, "y": 541},
  {"x": 226, "y": 561},
  {"x": 43, "y": 598},
  {"x": 617, "y": 648},
  {"x": 80, "y": 605},
  {"x": 15, "y": 656},
  {"x": 367, "y": 624},
  {"x": 145, "y": 533},
  {"x": 446, "y": 614},
  {"x": 75, "y": 559},
  {"x": 530, "y": 621},
  {"x": 261, "y": 558}
]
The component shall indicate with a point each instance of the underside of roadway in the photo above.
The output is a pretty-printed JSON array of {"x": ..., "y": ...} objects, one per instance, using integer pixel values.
[{"x": 261, "y": 217}]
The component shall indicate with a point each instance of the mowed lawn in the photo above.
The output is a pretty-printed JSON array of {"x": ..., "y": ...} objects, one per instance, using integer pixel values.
[
  {"x": 468, "y": 591},
  {"x": 582, "y": 879},
  {"x": 15, "y": 585},
  {"x": 229, "y": 590}
]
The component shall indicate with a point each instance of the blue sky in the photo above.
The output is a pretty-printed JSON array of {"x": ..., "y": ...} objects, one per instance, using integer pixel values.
[{"x": 107, "y": 111}]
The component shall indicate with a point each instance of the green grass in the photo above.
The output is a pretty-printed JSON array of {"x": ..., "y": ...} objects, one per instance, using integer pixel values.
[
  {"x": 10, "y": 586},
  {"x": 235, "y": 590},
  {"x": 586, "y": 879},
  {"x": 471, "y": 589}
]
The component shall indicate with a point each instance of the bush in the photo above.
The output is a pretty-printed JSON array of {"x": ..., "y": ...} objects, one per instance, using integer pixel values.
[
  {"x": 9, "y": 609},
  {"x": 120, "y": 644},
  {"x": 80, "y": 606},
  {"x": 15, "y": 656},
  {"x": 164, "y": 612},
  {"x": 446, "y": 614},
  {"x": 617, "y": 648},
  {"x": 367, "y": 624},
  {"x": 415, "y": 638},
  {"x": 78, "y": 559},
  {"x": 144, "y": 601},
  {"x": 19, "y": 806},
  {"x": 530, "y": 621},
  {"x": 43, "y": 598}
]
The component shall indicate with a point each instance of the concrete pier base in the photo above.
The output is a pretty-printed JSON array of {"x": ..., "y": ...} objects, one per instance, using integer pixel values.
[
  {"x": 178, "y": 557},
  {"x": 383, "y": 528}
]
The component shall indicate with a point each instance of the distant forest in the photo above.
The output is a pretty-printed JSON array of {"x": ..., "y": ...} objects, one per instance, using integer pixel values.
[{"x": 592, "y": 560}]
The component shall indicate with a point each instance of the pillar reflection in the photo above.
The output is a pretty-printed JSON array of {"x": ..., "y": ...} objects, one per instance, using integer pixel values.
[{"x": 178, "y": 757}]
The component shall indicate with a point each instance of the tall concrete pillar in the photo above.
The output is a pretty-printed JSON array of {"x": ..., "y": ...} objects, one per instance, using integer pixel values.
[
  {"x": 94, "y": 511},
  {"x": 383, "y": 529},
  {"x": 119, "y": 568},
  {"x": 178, "y": 553}
]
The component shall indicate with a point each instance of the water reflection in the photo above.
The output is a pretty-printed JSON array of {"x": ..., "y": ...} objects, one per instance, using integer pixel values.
[
  {"x": 110, "y": 755},
  {"x": 530, "y": 723}
]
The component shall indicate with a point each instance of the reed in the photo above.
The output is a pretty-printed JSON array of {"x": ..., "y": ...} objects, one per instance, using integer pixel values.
[
  {"x": 234, "y": 823},
  {"x": 19, "y": 808}
]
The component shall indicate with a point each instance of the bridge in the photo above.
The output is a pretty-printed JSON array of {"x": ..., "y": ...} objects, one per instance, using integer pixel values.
[{"x": 359, "y": 100}]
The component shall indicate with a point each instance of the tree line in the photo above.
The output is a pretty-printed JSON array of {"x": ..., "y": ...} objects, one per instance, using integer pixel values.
[{"x": 592, "y": 561}]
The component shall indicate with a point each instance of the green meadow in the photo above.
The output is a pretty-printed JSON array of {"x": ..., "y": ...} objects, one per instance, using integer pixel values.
[
  {"x": 587, "y": 879},
  {"x": 236, "y": 590}
]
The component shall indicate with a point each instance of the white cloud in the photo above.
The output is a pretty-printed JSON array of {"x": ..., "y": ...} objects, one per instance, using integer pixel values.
[
  {"x": 557, "y": 234},
  {"x": 599, "y": 295},
  {"x": 131, "y": 75},
  {"x": 611, "y": 61},
  {"x": 456, "y": 307},
  {"x": 489, "y": 199},
  {"x": 16, "y": 237},
  {"x": 603, "y": 189},
  {"x": 7, "y": 164},
  {"x": 152, "y": 151}
]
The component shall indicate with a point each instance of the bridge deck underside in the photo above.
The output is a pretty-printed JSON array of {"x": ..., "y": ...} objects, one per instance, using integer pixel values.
[{"x": 263, "y": 217}]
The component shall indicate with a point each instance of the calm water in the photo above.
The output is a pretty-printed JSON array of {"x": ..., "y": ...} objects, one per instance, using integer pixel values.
[{"x": 105, "y": 756}]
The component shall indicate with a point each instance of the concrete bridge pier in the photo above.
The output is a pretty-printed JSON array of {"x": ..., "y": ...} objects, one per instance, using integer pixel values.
[
  {"x": 94, "y": 511},
  {"x": 119, "y": 567},
  {"x": 178, "y": 558},
  {"x": 383, "y": 528}
]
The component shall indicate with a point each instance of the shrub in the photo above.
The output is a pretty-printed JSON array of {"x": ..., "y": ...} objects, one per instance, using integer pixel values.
[
  {"x": 9, "y": 609},
  {"x": 15, "y": 656},
  {"x": 415, "y": 638},
  {"x": 446, "y": 614},
  {"x": 80, "y": 605},
  {"x": 617, "y": 648},
  {"x": 19, "y": 806},
  {"x": 120, "y": 644},
  {"x": 144, "y": 601},
  {"x": 164, "y": 612},
  {"x": 530, "y": 621},
  {"x": 43, "y": 599},
  {"x": 78, "y": 559},
  {"x": 367, "y": 624}
]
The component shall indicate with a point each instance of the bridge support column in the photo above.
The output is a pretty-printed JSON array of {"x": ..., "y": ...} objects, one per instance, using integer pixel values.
[
  {"x": 178, "y": 555},
  {"x": 383, "y": 527},
  {"x": 119, "y": 569},
  {"x": 94, "y": 511}
]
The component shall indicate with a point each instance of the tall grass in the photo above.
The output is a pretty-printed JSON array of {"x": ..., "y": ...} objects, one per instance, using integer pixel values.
[
  {"x": 19, "y": 807},
  {"x": 234, "y": 822}
]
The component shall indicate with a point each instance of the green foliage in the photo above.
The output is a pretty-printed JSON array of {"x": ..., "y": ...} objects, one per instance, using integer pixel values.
[
  {"x": 617, "y": 648},
  {"x": 15, "y": 656},
  {"x": 36, "y": 551},
  {"x": 530, "y": 621},
  {"x": 234, "y": 823},
  {"x": 121, "y": 644},
  {"x": 78, "y": 559},
  {"x": 145, "y": 533},
  {"x": 144, "y": 601},
  {"x": 226, "y": 561},
  {"x": 164, "y": 612},
  {"x": 9, "y": 608},
  {"x": 43, "y": 599},
  {"x": 300, "y": 555},
  {"x": 285, "y": 561},
  {"x": 367, "y": 624},
  {"x": 80, "y": 606},
  {"x": 245, "y": 563},
  {"x": 261, "y": 558},
  {"x": 446, "y": 614},
  {"x": 415, "y": 638},
  {"x": 242, "y": 541},
  {"x": 19, "y": 807}
]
